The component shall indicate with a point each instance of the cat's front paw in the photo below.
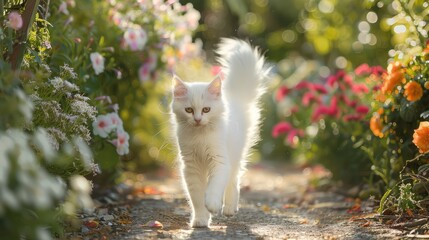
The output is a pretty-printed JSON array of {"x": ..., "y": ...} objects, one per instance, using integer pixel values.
[
  {"x": 230, "y": 210},
  {"x": 200, "y": 222},
  {"x": 214, "y": 204}
]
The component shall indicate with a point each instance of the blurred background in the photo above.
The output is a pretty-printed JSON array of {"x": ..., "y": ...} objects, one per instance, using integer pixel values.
[{"x": 85, "y": 93}]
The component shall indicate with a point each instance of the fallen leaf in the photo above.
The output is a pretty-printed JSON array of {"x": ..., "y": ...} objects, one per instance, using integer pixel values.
[
  {"x": 286, "y": 206},
  {"x": 356, "y": 208},
  {"x": 366, "y": 224},
  {"x": 91, "y": 224},
  {"x": 409, "y": 212},
  {"x": 303, "y": 221},
  {"x": 154, "y": 224},
  {"x": 265, "y": 208},
  {"x": 148, "y": 190}
]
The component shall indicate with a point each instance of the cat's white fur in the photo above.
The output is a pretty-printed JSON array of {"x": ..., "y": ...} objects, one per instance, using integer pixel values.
[{"x": 213, "y": 145}]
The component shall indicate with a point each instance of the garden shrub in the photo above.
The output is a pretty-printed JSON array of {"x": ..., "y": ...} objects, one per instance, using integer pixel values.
[
  {"x": 327, "y": 121},
  {"x": 400, "y": 121}
]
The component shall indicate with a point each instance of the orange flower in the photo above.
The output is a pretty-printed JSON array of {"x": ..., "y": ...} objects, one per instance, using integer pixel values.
[
  {"x": 391, "y": 81},
  {"x": 413, "y": 91},
  {"x": 426, "y": 50},
  {"x": 376, "y": 125},
  {"x": 426, "y": 85},
  {"x": 394, "y": 67},
  {"x": 421, "y": 137}
]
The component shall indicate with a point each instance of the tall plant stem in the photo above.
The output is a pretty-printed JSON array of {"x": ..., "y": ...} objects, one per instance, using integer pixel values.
[{"x": 18, "y": 50}]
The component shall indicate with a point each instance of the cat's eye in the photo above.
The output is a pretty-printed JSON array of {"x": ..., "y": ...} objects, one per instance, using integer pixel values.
[
  {"x": 189, "y": 110},
  {"x": 206, "y": 110}
]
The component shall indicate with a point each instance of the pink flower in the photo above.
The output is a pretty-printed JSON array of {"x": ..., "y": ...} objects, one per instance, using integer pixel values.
[
  {"x": 349, "y": 80},
  {"x": 97, "y": 62},
  {"x": 303, "y": 84},
  {"x": 318, "y": 87},
  {"x": 335, "y": 78},
  {"x": 347, "y": 101},
  {"x": 363, "y": 69},
  {"x": 135, "y": 38},
  {"x": 102, "y": 126},
  {"x": 281, "y": 127},
  {"x": 362, "y": 109},
  {"x": 378, "y": 70},
  {"x": 144, "y": 73},
  {"x": 122, "y": 142},
  {"x": 360, "y": 88},
  {"x": 332, "y": 80},
  {"x": 331, "y": 110},
  {"x": 15, "y": 20},
  {"x": 281, "y": 93},
  {"x": 352, "y": 117},
  {"x": 308, "y": 97},
  {"x": 216, "y": 70},
  {"x": 293, "y": 133}
]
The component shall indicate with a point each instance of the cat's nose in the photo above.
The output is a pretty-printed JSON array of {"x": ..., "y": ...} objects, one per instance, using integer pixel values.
[{"x": 197, "y": 120}]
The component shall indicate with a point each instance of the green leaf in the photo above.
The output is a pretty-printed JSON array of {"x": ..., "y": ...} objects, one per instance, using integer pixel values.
[
  {"x": 408, "y": 111},
  {"x": 383, "y": 200}
]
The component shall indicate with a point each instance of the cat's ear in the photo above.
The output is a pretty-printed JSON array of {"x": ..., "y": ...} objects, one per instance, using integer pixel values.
[
  {"x": 179, "y": 88},
  {"x": 215, "y": 87}
]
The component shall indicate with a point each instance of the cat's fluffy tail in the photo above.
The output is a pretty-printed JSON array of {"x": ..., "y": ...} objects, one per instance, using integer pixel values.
[
  {"x": 245, "y": 79},
  {"x": 244, "y": 69}
]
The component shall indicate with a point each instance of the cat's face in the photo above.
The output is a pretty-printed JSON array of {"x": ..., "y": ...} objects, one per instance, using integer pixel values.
[{"x": 197, "y": 104}]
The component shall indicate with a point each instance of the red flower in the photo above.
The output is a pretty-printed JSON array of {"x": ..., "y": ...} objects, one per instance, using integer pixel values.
[
  {"x": 362, "y": 109},
  {"x": 281, "y": 93},
  {"x": 281, "y": 127}
]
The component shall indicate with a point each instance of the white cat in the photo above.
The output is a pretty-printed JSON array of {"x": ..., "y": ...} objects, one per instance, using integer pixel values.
[{"x": 216, "y": 124}]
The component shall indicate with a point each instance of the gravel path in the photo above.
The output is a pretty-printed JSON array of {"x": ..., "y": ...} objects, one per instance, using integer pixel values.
[{"x": 275, "y": 204}]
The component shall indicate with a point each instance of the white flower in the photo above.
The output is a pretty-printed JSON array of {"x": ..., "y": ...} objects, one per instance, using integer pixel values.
[
  {"x": 192, "y": 17},
  {"x": 63, "y": 8},
  {"x": 135, "y": 38},
  {"x": 80, "y": 184},
  {"x": 115, "y": 120},
  {"x": 102, "y": 126},
  {"x": 84, "y": 151},
  {"x": 121, "y": 143},
  {"x": 97, "y": 62},
  {"x": 41, "y": 140}
]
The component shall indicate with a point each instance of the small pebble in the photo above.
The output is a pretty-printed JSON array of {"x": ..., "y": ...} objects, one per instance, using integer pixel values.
[{"x": 107, "y": 217}]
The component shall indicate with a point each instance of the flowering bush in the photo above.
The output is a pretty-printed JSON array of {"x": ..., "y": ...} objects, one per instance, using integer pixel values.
[
  {"x": 120, "y": 50},
  {"x": 34, "y": 183},
  {"x": 400, "y": 120},
  {"x": 326, "y": 121}
]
